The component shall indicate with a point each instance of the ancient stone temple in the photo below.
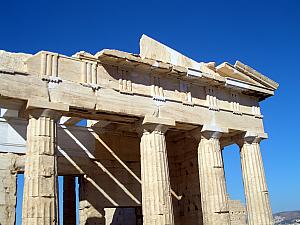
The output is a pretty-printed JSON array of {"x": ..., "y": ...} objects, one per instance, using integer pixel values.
[{"x": 142, "y": 136}]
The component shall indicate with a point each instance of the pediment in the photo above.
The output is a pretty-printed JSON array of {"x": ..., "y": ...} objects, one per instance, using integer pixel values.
[
  {"x": 229, "y": 71},
  {"x": 255, "y": 75},
  {"x": 242, "y": 72},
  {"x": 152, "y": 49}
]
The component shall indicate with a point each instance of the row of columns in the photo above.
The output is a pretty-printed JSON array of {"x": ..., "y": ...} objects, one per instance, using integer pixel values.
[{"x": 40, "y": 202}]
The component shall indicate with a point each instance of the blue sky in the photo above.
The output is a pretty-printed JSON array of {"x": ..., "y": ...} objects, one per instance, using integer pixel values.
[{"x": 263, "y": 34}]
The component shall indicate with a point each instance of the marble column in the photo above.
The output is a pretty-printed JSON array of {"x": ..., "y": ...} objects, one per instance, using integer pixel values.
[
  {"x": 214, "y": 198},
  {"x": 40, "y": 199},
  {"x": 156, "y": 191},
  {"x": 256, "y": 191},
  {"x": 69, "y": 200}
]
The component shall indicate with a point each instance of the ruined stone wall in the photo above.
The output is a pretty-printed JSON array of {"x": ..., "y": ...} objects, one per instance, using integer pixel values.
[
  {"x": 237, "y": 212},
  {"x": 8, "y": 188},
  {"x": 117, "y": 169},
  {"x": 111, "y": 180},
  {"x": 185, "y": 181}
]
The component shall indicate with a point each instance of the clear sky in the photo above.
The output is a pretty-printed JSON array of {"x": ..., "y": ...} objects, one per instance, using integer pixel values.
[{"x": 263, "y": 34}]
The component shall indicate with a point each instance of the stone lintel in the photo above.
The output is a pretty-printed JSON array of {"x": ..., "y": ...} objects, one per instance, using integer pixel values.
[
  {"x": 37, "y": 107},
  {"x": 213, "y": 128},
  {"x": 35, "y": 103},
  {"x": 158, "y": 120}
]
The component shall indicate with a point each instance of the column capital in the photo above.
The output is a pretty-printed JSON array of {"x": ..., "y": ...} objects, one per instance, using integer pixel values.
[
  {"x": 251, "y": 137},
  {"x": 159, "y": 124},
  {"x": 208, "y": 132},
  {"x": 38, "y": 112}
]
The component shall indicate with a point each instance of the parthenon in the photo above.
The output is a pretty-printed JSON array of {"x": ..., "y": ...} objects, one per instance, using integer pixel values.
[{"x": 150, "y": 148}]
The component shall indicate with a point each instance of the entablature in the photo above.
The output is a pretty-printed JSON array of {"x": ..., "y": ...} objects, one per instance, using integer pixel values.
[
  {"x": 112, "y": 82},
  {"x": 105, "y": 103},
  {"x": 190, "y": 89}
]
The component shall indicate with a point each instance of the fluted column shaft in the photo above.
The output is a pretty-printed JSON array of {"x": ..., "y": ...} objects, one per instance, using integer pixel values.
[
  {"x": 40, "y": 203},
  {"x": 156, "y": 191},
  {"x": 256, "y": 191},
  {"x": 212, "y": 181}
]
